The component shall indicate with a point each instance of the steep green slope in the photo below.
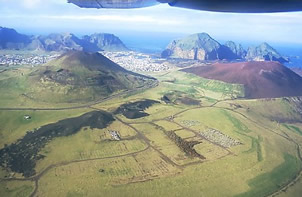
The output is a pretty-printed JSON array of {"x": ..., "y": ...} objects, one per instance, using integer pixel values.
[{"x": 74, "y": 77}]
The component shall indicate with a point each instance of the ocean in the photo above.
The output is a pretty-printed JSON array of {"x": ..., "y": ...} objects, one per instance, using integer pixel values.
[
  {"x": 155, "y": 43},
  {"x": 151, "y": 43},
  {"x": 294, "y": 52}
]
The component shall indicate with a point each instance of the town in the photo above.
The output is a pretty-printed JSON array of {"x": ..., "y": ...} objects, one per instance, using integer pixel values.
[
  {"x": 138, "y": 62},
  {"x": 130, "y": 60},
  {"x": 28, "y": 59}
]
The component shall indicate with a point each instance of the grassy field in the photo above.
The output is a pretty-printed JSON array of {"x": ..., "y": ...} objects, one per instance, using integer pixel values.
[
  {"x": 14, "y": 125},
  {"x": 147, "y": 161},
  {"x": 267, "y": 183},
  {"x": 211, "y": 88},
  {"x": 185, "y": 133},
  {"x": 16, "y": 188},
  {"x": 17, "y": 91},
  {"x": 293, "y": 128},
  {"x": 162, "y": 142}
]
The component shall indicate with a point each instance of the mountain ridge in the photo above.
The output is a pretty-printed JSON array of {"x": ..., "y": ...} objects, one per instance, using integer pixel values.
[
  {"x": 202, "y": 46},
  {"x": 264, "y": 52},
  {"x": 10, "y": 39}
]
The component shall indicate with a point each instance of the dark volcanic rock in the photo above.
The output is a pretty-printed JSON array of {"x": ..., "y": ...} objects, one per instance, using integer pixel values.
[
  {"x": 178, "y": 97},
  {"x": 136, "y": 109},
  {"x": 264, "y": 52},
  {"x": 260, "y": 79}
]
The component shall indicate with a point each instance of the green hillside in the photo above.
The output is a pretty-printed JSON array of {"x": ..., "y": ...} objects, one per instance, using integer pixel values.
[
  {"x": 187, "y": 136},
  {"x": 75, "y": 77}
]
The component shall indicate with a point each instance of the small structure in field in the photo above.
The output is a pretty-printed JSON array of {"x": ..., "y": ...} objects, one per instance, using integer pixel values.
[
  {"x": 26, "y": 117},
  {"x": 115, "y": 135}
]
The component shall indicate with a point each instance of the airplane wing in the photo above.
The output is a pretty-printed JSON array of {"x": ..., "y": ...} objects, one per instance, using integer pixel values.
[
  {"x": 119, "y": 4},
  {"x": 238, "y": 6}
]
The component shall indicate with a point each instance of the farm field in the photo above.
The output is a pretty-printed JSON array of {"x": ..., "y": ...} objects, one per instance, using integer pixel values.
[{"x": 186, "y": 136}]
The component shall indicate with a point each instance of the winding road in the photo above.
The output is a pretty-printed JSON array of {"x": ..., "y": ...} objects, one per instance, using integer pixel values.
[{"x": 142, "y": 137}]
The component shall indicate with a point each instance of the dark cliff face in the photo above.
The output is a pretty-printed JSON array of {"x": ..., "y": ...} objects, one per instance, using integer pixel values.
[
  {"x": 203, "y": 47},
  {"x": 236, "y": 49},
  {"x": 11, "y": 40},
  {"x": 264, "y": 52}
]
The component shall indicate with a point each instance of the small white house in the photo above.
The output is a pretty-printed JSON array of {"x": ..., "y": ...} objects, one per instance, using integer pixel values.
[
  {"x": 115, "y": 135},
  {"x": 27, "y": 117}
]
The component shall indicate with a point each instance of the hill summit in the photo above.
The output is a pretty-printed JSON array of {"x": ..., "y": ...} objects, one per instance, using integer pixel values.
[
  {"x": 79, "y": 76},
  {"x": 197, "y": 46},
  {"x": 202, "y": 46},
  {"x": 264, "y": 52},
  {"x": 10, "y": 39},
  {"x": 260, "y": 79}
]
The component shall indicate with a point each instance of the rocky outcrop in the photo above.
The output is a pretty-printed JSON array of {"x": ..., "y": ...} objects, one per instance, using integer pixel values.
[
  {"x": 197, "y": 46},
  {"x": 60, "y": 42},
  {"x": 104, "y": 41},
  {"x": 203, "y": 47},
  {"x": 35, "y": 45},
  {"x": 12, "y": 40},
  {"x": 236, "y": 49},
  {"x": 264, "y": 52}
]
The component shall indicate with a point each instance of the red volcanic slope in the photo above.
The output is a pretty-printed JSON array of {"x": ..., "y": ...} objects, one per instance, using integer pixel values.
[
  {"x": 297, "y": 70},
  {"x": 261, "y": 79}
]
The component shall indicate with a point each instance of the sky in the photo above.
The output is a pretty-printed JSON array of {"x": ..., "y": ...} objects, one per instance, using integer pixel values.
[{"x": 47, "y": 16}]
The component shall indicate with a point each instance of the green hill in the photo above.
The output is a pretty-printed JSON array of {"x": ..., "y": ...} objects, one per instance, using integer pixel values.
[{"x": 75, "y": 77}]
